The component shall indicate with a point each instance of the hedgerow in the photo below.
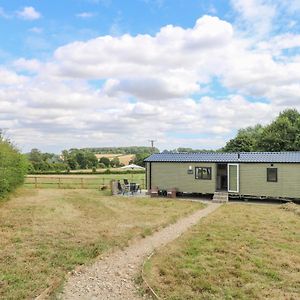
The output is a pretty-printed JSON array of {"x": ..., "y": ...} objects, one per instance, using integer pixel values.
[{"x": 12, "y": 167}]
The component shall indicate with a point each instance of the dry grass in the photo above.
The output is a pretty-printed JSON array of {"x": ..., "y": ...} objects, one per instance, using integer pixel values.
[
  {"x": 46, "y": 233},
  {"x": 239, "y": 252}
]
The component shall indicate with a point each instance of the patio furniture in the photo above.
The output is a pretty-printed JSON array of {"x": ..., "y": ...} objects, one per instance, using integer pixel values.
[
  {"x": 122, "y": 189},
  {"x": 154, "y": 192},
  {"x": 171, "y": 193},
  {"x": 134, "y": 188}
]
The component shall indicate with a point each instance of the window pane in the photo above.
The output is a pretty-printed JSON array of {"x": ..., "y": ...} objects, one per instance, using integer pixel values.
[
  {"x": 198, "y": 173},
  {"x": 272, "y": 174},
  {"x": 203, "y": 173}
]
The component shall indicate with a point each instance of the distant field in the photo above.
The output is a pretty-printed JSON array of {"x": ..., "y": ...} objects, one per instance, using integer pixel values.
[
  {"x": 123, "y": 158},
  {"x": 80, "y": 181},
  {"x": 46, "y": 233},
  {"x": 238, "y": 252}
]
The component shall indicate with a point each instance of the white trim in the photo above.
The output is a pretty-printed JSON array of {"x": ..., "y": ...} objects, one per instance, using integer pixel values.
[{"x": 237, "y": 178}]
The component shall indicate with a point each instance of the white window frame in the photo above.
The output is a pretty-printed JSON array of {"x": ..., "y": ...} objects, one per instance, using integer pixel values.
[{"x": 237, "y": 178}]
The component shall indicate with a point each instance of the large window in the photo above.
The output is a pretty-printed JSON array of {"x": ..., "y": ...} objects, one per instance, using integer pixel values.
[
  {"x": 272, "y": 175},
  {"x": 203, "y": 173}
]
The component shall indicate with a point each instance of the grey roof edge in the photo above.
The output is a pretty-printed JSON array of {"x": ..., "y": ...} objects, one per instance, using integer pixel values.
[{"x": 255, "y": 157}]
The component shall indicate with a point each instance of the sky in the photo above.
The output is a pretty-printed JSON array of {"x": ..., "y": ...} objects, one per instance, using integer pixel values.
[{"x": 185, "y": 73}]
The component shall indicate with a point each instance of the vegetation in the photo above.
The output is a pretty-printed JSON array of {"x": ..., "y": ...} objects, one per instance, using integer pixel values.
[
  {"x": 12, "y": 167},
  {"x": 105, "y": 161},
  {"x": 82, "y": 159},
  {"x": 283, "y": 134},
  {"x": 39, "y": 161},
  {"x": 238, "y": 252},
  {"x": 46, "y": 233},
  {"x": 123, "y": 150},
  {"x": 187, "y": 150}
]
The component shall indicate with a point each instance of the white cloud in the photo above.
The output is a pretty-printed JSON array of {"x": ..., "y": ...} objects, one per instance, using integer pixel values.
[
  {"x": 256, "y": 16},
  {"x": 85, "y": 15},
  {"x": 31, "y": 65},
  {"x": 36, "y": 29},
  {"x": 8, "y": 77},
  {"x": 152, "y": 88},
  {"x": 170, "y": 64},
  {"x": 29, "y": 13}
]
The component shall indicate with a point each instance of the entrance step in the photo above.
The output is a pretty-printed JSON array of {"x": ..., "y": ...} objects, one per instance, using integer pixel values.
[{"x": 220, "y": 197}]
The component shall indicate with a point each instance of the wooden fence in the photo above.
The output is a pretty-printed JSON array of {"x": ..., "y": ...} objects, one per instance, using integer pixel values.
[{"x": 74, "y": 182}]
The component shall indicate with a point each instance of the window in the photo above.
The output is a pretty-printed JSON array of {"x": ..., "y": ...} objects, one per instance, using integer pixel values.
[
  {"x": 203, "y": 173},
  {"x": 272, "y": 175}
]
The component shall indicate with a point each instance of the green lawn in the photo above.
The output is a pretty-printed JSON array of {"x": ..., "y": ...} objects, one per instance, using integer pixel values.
[
  {"x": 45, "y": 233},
  {"x": 80, "y": 181},
  {"x": 238, "y": 252}
]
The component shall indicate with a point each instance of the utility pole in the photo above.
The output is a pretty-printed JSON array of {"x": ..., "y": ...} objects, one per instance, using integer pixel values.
[{"x": 152, "y": 144}]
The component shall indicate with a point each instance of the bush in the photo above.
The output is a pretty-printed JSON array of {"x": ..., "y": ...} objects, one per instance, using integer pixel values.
[
  {"x": 13, "y": 166},
  {"x": 101, "y": 166}
]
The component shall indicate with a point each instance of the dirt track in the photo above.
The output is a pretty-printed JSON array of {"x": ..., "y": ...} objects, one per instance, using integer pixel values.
[{"x": 112, "y": 277}]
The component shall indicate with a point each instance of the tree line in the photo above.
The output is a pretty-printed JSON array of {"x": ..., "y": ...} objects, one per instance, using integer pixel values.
[
  {"x": 122, "y": 150},
  {"x": 77, "y": 159}
]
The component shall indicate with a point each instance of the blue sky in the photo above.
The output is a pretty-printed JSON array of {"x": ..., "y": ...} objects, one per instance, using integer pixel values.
[
  {"x": 83, "y": 73},
  {"x": 60, "y": 22}
]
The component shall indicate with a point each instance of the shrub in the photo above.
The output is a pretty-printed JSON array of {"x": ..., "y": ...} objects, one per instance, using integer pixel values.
[{"x": 13, "y": 166}]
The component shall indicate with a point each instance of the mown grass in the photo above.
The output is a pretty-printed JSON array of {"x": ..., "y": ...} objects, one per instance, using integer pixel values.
[
  {"x": 46, "y": 233},
  {"x": 239, "y": 252}
]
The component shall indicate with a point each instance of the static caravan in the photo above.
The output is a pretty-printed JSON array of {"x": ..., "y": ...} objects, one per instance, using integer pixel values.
[{"x": 247, "y": 174}]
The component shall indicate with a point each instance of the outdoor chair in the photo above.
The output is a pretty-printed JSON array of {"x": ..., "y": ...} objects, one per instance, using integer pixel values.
[
  {"x": 122, "y": 189},
  {"x": 133, "y": 188},
  {"x": 154, "y": 192},
  {"x": 126, "y": 181}
]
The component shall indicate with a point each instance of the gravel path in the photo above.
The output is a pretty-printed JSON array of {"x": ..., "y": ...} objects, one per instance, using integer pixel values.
[{"x": 112, "y": 277}]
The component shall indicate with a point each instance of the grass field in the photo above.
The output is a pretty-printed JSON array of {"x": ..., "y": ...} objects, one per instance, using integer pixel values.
[
  {"x": 46, "y": 233},
  {"x": 239, "y": 252},
  {"x": 80, "y": 181}
]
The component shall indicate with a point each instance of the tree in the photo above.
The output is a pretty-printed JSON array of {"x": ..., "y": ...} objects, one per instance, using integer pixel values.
[
  {"x": 245, "y": 141},
  {"x": 37, "y": 160},
  {"x": 72, "y": 163},
  {"x": 104, "y": 160},
  {"x": 81, "y": 160},
  {"x": 92, "y": 161},
  {"x": 115, "y": 162},
  {"x": 283, "y": 134},
  {"x": 139, "y": 158}
]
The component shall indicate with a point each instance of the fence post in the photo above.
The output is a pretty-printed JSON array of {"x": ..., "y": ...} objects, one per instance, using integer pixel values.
[
  {"x": 35, "y": 182},
  {"x": 103, "y": 181}
]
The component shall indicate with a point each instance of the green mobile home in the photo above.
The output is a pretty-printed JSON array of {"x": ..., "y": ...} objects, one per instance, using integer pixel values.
[{"x": 256, "y": 174}]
